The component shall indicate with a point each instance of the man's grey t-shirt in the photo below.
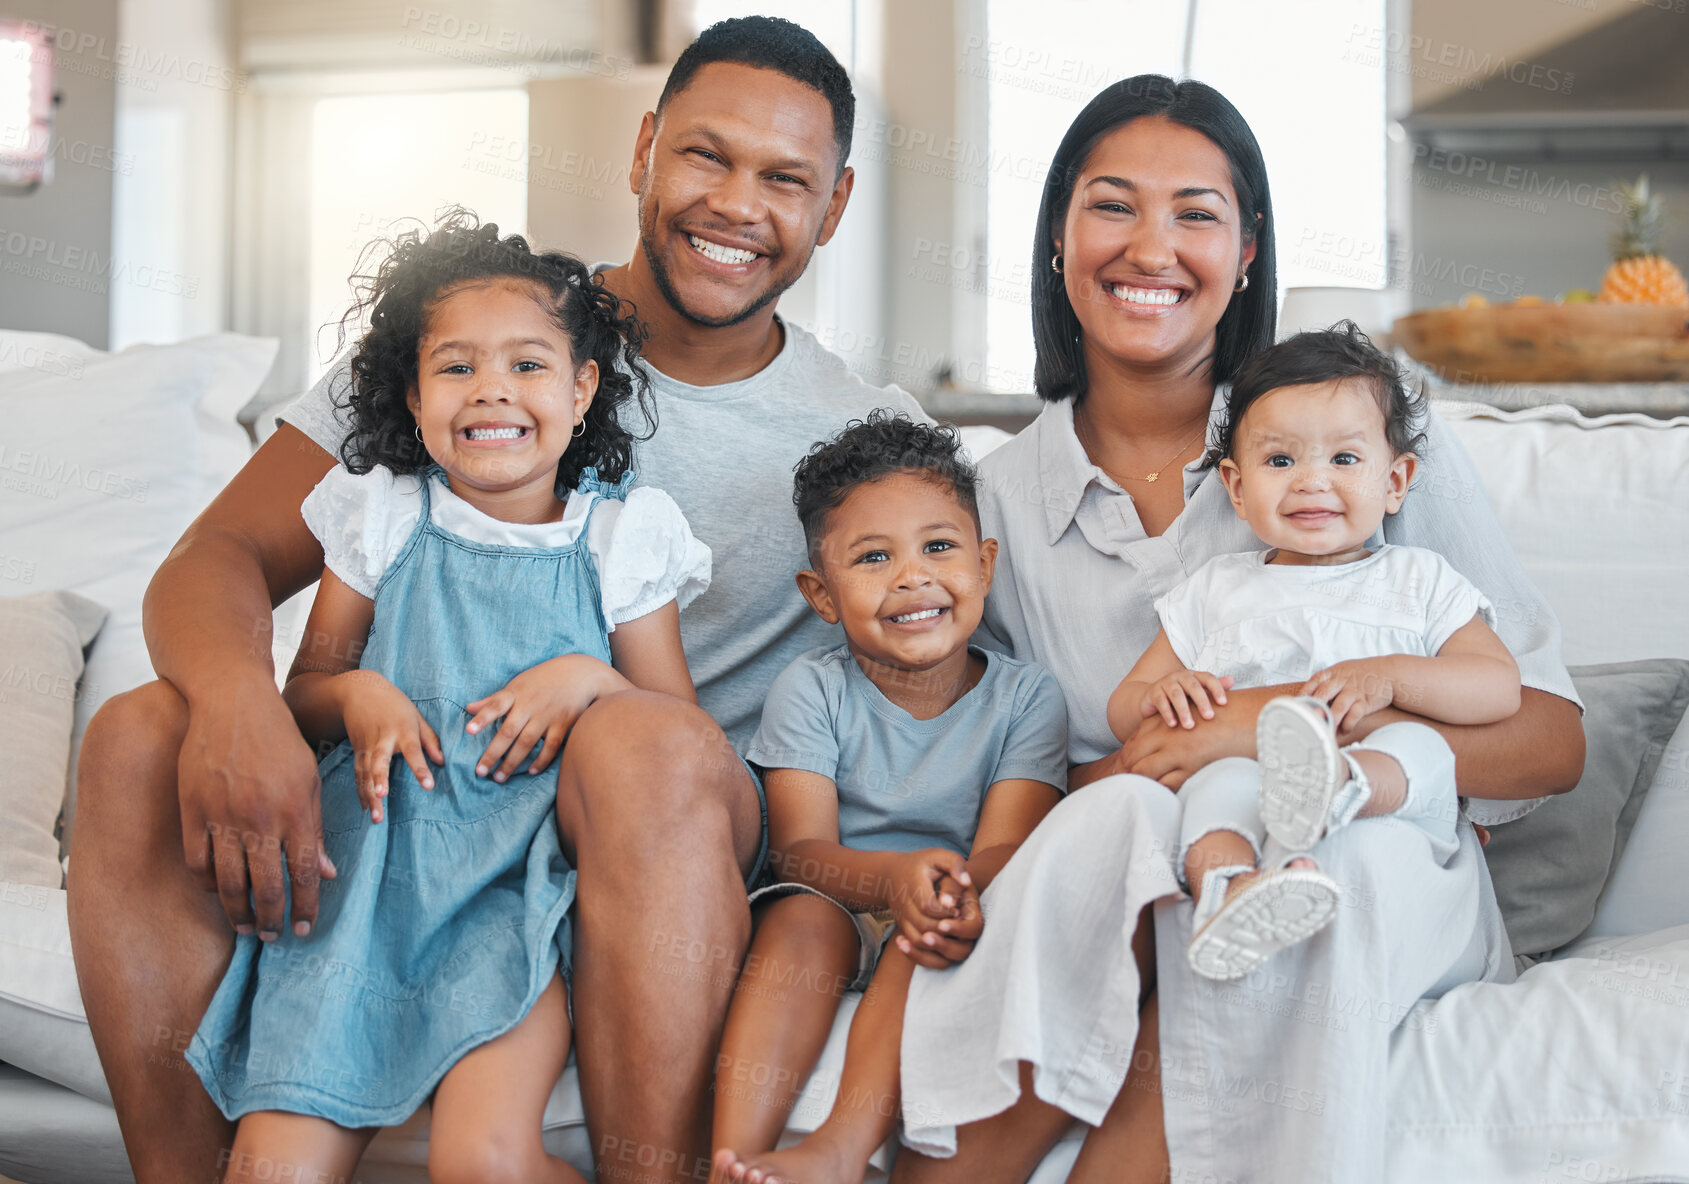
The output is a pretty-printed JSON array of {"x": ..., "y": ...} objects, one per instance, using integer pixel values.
[
  {"x": 905, "y": 784},
  {"x": 725, "y": 454}
]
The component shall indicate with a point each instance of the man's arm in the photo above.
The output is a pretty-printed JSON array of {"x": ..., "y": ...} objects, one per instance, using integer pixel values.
[
  {"x": 247, "y": 779},
  {"x": 207, "y": 612}
]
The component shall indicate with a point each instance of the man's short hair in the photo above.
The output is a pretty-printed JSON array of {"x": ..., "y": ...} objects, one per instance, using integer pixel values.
[{"x": 771, "y": 43}]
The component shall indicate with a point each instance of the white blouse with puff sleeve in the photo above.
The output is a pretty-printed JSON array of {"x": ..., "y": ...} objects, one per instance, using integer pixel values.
[{"x": 645, "y": 552}]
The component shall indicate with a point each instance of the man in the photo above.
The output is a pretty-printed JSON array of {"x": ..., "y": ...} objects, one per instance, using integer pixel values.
[{"x": 740, "y": 175}]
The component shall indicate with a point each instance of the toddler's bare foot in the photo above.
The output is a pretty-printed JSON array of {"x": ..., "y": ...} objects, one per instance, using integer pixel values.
[{"x": 819, "y": 1159}]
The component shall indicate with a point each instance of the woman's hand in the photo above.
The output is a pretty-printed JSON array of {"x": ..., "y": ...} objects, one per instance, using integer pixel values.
[
  {"x": 930, "y": 931},
  {"x": 1353, "y": 690},
  {"x": 540, "y": 706},
  {"x": 1173, "y": 696},
  {"x": 382, "y": 722},
  {"x": 1170, "y": 755}
]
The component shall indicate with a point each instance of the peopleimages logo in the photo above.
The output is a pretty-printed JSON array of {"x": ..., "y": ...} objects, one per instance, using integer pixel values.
[
  {"x": 26, "y": 470},
  {"x": 90, "y": 53}
]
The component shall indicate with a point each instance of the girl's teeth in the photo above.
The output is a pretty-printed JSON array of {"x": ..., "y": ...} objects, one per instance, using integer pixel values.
[
  {"x": 718, "y": 252},
  {"x": 1145, "y": 295},
  {"x": 923, "y": 615},
  {"x": 495, "y": 433}
]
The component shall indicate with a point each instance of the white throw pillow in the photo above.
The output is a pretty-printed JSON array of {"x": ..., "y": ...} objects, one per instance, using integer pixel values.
[
  {"x": 46, "y": 352},
  {"x": 101, "y": 469}
]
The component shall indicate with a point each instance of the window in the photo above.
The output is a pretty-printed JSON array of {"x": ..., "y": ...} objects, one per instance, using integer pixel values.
[{"x": 379, "y": 163}]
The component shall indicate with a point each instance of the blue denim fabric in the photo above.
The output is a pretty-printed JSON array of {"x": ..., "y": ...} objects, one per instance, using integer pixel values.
[{"x": 448, "y": 918}]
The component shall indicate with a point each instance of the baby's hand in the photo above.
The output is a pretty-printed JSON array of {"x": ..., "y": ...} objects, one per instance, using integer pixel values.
[
  {"x": 381, "y": 723},
  {"x": 917, "y": 905},
  {"x": 1173, "y": 697},
  {"x": 1353, "y": 690},
  {"x": 538, "y": 706}
]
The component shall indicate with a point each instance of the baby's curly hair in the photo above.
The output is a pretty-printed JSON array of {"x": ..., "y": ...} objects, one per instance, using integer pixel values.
[
  {"x": 420, "y": 267},
  {"x": 1325, "y": 355},
  {"x": 868, "y": 450}
]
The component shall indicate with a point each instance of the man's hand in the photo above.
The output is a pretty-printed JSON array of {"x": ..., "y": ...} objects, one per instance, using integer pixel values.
[
  {"x": 248, "y": 789},
  {"x": 931, "y": 932},
  {"x": 381, "y": 723},
  {"x": 540, "y": 705}
]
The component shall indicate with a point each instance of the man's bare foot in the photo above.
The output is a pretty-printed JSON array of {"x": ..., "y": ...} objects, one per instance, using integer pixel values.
[{"x": 818, "y": 1159}]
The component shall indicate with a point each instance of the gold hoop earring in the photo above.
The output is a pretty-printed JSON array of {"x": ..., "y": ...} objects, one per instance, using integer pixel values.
[
  {"x": 1242, "y": 282},
  {"x": 1055, "y": 263},
  {"x": 580, "y": 426}
]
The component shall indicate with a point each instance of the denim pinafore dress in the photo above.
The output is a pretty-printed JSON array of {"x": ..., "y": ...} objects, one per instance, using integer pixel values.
[{"x": 448, "y": 918}]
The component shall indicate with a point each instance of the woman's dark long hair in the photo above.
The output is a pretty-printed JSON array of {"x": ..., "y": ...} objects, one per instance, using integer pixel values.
[
  {"x": 418, "y": 268},
  {"x": 1248, "y": 323}
]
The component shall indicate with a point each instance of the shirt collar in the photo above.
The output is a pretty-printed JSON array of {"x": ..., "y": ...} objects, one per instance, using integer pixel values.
[{"x": 1065, "y": 472}]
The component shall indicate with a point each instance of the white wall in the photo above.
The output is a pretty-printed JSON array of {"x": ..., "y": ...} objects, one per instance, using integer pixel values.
[
  {"x": 171, "y": 213},
  {"x": 56, "y": 271},
  {"x": 1515, "y": 225}
]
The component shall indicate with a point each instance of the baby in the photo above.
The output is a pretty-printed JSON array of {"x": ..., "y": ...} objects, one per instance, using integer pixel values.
[
  {"x": 903, "y": 768},
  {"x": 1318, "y": 447}
]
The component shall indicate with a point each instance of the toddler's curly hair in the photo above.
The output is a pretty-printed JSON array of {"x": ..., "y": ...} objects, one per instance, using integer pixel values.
[
  {"x": 418, "y": 269},
  {"x": 870, "y": 449}
]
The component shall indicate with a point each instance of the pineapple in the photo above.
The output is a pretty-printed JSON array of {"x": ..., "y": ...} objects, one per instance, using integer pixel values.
[{"x": 1639, "y": 274}]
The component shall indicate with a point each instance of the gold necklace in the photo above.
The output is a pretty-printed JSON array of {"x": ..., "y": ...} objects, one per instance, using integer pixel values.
[{"x": 1152, "y": 478}]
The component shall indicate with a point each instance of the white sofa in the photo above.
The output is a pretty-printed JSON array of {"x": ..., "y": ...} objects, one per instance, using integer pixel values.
[{"x": 1579, "y": 1071}]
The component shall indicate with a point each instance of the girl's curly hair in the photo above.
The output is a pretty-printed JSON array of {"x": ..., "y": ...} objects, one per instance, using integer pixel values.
[{"x": 418, "y": 268}]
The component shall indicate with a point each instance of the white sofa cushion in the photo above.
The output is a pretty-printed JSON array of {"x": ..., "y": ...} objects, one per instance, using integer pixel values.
[
  {"x": 1598, "y": 516},
  {"x": 102, "y": 466},
  {"x": 42, "y": 1025},
  {"x": 1578, "y": 1071}
]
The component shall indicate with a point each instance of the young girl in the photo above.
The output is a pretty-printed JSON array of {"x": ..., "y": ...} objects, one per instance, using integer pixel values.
[
  {"x": 1318, "y": 447},
  {"x": 485, "y": 561}
]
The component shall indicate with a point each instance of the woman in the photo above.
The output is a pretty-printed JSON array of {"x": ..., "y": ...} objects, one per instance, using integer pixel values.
[{"x": 1155, "y": 279}]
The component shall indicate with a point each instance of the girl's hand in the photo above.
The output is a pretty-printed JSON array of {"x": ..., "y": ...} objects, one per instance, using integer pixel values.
[
  {"x": 539, "y": 706},
  {"x": 381, "y": 722},
  {"x": 1353, "y": 690},
  {"x": 919, "y": 910},
  {"x": 1173, "y": 696}
]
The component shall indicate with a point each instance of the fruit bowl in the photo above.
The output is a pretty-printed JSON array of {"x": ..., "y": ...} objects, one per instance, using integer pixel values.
[{"x": 1551, "y": 342}]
